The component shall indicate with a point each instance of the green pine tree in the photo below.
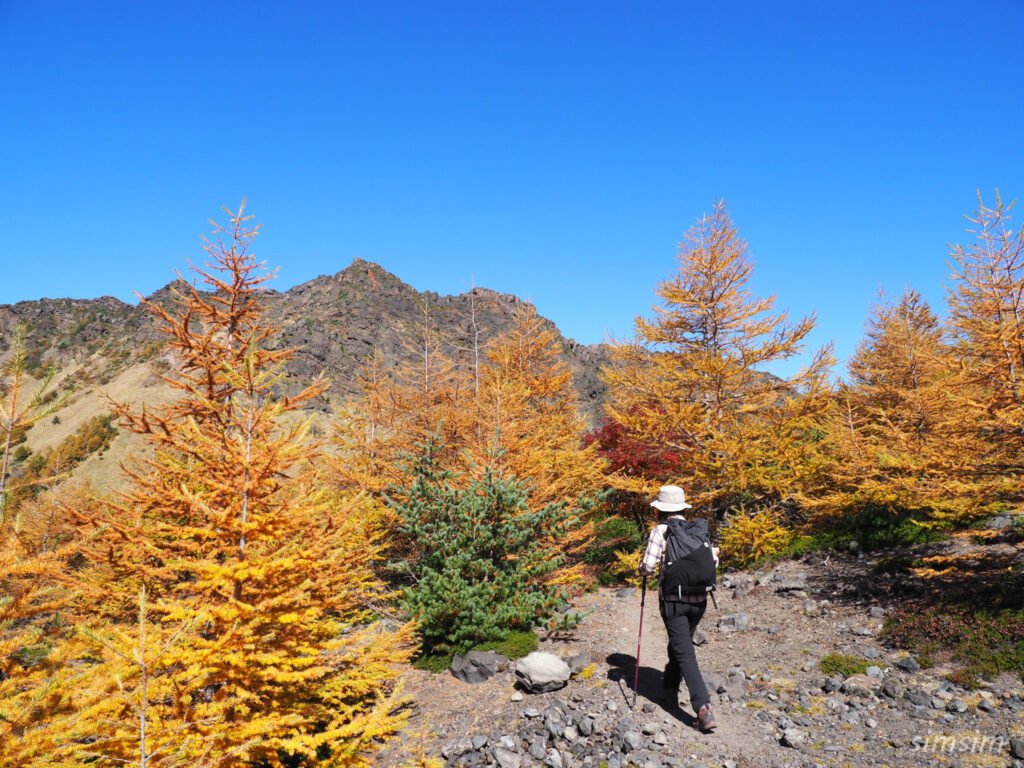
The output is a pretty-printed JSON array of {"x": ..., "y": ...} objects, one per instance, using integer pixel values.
[{"x": 480, "y": 557}]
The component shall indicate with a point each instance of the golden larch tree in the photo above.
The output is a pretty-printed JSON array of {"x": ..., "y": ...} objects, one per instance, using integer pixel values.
[
  {"x": 692, "y": 380},
  {"x": 896, "y": 424},
  {"x": 229, "y": 528},
  {"x": 986, "y": 318}
]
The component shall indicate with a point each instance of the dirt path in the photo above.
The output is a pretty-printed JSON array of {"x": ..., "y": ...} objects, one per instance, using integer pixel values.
[{"x": 776, "y": 708}]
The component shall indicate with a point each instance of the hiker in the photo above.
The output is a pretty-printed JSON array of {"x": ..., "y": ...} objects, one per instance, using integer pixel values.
[{"x": 681, "y": 610}]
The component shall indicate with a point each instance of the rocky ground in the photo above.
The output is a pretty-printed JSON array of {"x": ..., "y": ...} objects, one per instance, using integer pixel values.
[{"x": 759, "y": 654}]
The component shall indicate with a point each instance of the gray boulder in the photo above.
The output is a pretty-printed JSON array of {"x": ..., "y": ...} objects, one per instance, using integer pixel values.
[
  {"x": 542, "y": 672},
  {"x": 506, "y": 758},
  {"x": 908, "y": 664},
  {"x": 734, "y": 622},
  {"x": 477, "y": 666}
]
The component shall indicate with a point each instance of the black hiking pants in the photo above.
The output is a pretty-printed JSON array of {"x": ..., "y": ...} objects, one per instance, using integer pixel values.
[{"x": 681, "y": 620}]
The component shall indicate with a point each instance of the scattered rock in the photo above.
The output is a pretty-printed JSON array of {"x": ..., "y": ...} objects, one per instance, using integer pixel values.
[
  {"x": 1017, "y": 748},
  {"x": 734, "y": 622},
  {"x": 876, "y": 612},
  {"x": 625, "y": 592},
  {"x": 956, "y": 705},
  {"x": 477, "y": 666},
  {"x": 631, "y": 740},
  {"x": 793, "y": 737},
  {"x": 872, "y": 653},
  {"x": 999, "y": 522},
  {"x": 699, "y": 638},
  {"x": 579, "y": 662},
  {"x": 542, "y": 672},
  {"x": 506, "y": 758},
  {"x": 908, "y": 664}
]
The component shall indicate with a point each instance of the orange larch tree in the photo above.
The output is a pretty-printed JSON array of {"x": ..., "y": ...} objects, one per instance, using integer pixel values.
[
  {"x": 896, "y": 428},
  {"x": 230, "y": 529},
  {"x": 986, "y": 318},
  {"x": 692, "y": 380}
]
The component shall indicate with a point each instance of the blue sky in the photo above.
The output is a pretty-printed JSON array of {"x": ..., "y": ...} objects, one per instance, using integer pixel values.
[{"x": 553, "y": 150}]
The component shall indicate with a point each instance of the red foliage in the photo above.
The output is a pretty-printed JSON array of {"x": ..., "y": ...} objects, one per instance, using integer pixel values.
[{"x": 631, "y": 455}]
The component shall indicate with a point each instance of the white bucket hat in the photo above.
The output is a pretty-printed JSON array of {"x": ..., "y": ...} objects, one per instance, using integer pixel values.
[{"x": 671, "y": 498}]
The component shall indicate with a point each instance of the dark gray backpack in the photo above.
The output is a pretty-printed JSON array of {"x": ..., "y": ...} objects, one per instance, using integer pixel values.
[{"x": 689, "y": 564}]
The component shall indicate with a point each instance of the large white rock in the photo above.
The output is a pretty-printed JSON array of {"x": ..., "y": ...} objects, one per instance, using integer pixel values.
[{"x": 541, "y": 672}]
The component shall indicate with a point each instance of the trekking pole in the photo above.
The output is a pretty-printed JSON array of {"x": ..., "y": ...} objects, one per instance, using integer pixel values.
[{"x": 640, "y": 634}]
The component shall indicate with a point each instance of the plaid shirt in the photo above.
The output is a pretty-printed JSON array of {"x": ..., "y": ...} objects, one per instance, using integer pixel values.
[{"x": 656, "y": 552}]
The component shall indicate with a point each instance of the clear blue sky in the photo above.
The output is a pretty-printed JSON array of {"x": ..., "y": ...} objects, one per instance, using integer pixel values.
[{"x": 552, "y": 150}]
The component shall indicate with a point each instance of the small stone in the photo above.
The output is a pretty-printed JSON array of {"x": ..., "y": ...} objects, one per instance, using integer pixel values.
[
  {"x": 579, "y": 662},
  {"x": 537, "y": 749},
  {"x": 506, "y": 758},
  {"x": 892, "y": 689},
  {"x": 699, "y": 638},
  {"x": 876, "y": 612},
  {"x": 871, "y": 723},
  {"x": 1017, "y": 748},
  {"x": 586, "y": 726},
  {"x": 478, "y": 666},
  {"x": 631, "y": 741},
  {"x": 874, "y": 671},
  {"x": 612, "y": 706},
  {"x": 531, "y": 712},
  {"x": 773, "y": 630},
  {"x": 625, "y": 592},
  {"x": 918, "y": 697},
  {"x": 570, "y": 734},
  {"x": 516, "y": 696},
  {"x": 793, "y": 737},
  {"x": 734, "y": 622},
  {"x": 957, "y": 706},
  {"x": 660, "y": 738},
  {"x": 986, "y": 705},
  {"x": 553, "y": 759},
  {"x": 861, "y": 631},
  {"x": 649, "y": 707},
  {"x": 871, "y": 653},
  {"x": 479, "y": 741},
  {"x": 742, "y": 589},
  {"x": 908, "y": 664},
  {"x": 457, "y": 748}
]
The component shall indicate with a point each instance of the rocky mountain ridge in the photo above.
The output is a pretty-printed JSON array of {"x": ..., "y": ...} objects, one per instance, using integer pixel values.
[{"x": 336, "y": 322}]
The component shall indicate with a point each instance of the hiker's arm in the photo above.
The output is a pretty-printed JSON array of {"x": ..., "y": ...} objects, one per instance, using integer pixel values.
[{"x": 655, "y": 548}]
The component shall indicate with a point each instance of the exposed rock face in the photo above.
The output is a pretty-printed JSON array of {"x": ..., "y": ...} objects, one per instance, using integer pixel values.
[{"x": 335, "y": 322}]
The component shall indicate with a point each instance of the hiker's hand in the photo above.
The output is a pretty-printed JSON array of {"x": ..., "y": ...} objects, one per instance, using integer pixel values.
[{"x": 714, "y": 554}]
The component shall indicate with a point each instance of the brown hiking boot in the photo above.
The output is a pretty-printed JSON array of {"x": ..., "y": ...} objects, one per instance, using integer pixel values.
[
  {"x": 670, "y": 698},
  {"x": 706, "y": 719}
]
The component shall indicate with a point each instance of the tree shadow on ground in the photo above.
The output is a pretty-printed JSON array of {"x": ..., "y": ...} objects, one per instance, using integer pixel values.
[{"x": 648, "y": 689}]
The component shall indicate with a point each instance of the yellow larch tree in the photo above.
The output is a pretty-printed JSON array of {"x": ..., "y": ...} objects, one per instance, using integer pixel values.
[
  {"x": 529, "y": 426},
  {"x": 896, "y": 424},
  {"x": 692, "y": 380},
  {"x": 230, "y": 529},
  {"x": 986, "y": 318},
  {"x": 40, "y": 690}
]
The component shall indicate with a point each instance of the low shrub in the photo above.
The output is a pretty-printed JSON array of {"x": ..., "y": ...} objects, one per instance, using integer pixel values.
[
  {"x": 986, "y": 640},
  {"x": 874, "y": 527},
  {"x": 515, "y": 646},
  {"x": 842, "y": 664}
]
